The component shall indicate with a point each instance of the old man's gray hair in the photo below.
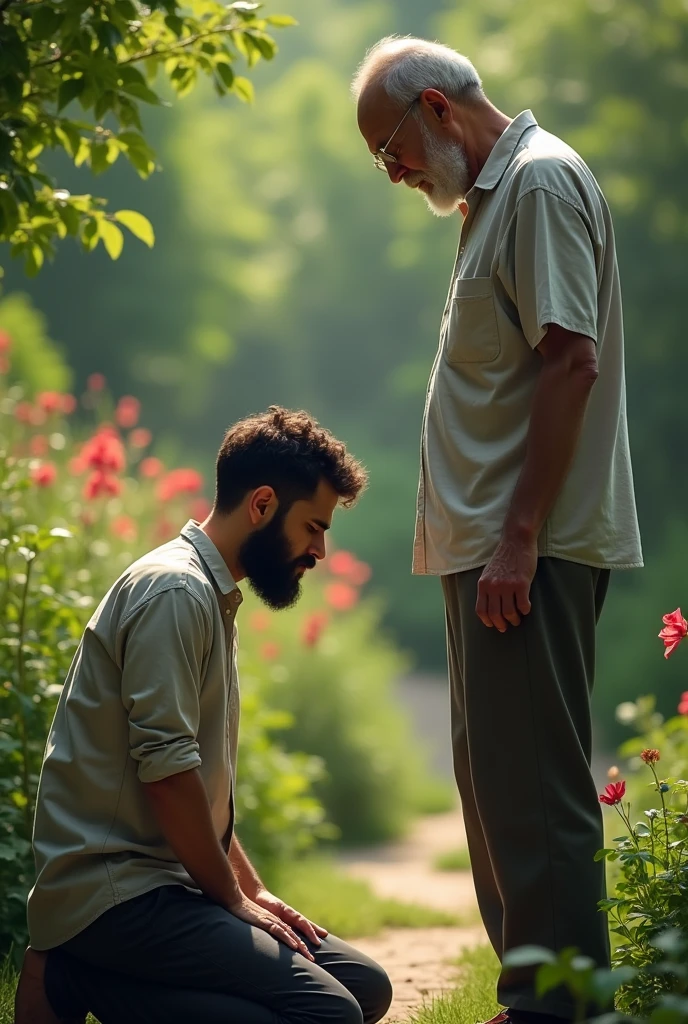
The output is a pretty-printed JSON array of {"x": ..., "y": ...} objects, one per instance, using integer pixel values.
[{"x": 405, "y": 66}]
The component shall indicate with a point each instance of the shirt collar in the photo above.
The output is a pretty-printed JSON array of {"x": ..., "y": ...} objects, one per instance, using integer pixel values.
[
  {"x": 211, "y": 556},
  {"x": 503, "y": 151}
]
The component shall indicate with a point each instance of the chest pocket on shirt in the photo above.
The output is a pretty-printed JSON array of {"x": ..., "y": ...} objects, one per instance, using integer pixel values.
[{"x": 472, "y": 335}]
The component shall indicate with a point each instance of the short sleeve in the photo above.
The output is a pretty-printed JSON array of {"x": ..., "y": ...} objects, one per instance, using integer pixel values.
[
  {"x": 163, "y": 664},
  {"x": 547, "y": 266}
]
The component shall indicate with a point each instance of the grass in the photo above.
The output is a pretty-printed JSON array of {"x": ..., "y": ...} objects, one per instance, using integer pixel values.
[
  {"x": 347, "y": 906},
  {"x": 474, "y": 997},
  {"x": 453, "y": 860}
]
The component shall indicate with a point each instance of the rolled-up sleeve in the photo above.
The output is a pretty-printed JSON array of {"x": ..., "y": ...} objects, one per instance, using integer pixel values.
[
  {"x": 548, "y": 266},
  {"x": 165, "y": 645}
]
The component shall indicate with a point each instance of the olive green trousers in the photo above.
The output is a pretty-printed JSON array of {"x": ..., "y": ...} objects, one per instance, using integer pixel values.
[{"x": 522, "y": 738}]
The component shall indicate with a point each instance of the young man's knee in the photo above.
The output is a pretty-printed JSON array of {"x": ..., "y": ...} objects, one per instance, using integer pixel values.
[{"x": 378, "y": 995}]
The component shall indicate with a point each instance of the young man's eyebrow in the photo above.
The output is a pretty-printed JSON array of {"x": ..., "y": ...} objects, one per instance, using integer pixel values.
[{"x": 322, "y": 524}]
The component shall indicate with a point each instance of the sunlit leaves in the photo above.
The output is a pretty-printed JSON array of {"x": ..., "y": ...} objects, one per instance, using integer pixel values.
[{"x": 107, "y": 60}]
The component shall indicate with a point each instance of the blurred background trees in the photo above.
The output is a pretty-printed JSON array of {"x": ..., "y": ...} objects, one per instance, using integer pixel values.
[{"x": 286, "y": 269}]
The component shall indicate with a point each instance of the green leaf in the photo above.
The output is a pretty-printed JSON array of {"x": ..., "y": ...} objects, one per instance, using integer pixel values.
[
  {"x": 244, "y": 89},
  {"x": 281, "y": 20},
  {"x": 33, "y": 259},
  {"x": 139, "y": 225},
  {"x": 528, "y": 956},
  {"x": 89, "y": 234},
  {"x": 175, "y": 24},
  {"x": 44, "y": 22},
  {"x": 141, "y": 92},
  {"x": 99, "y": 157},
  {"x": 548, "y": 977},
  {"x": 69, "y": 89},
  {"x": 113, "y": 239},
  {"x": 226, "y": 73}
]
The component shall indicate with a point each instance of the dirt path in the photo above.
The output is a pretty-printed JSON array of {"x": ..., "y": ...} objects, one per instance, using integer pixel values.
[{"x": 419, "y": 961}]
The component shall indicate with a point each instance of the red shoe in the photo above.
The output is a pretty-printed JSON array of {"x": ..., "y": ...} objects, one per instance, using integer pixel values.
[{"x": 31, "y": 1004}]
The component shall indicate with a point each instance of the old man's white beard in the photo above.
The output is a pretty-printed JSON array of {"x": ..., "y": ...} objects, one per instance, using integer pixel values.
[{"x": 447, "y": 172}]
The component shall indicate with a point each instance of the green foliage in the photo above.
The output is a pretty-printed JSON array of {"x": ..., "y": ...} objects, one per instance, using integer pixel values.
[
  {"x": 454, "y": 860},
  {"x": 346, "y": 906},
  {"x": 337, "y": 691},
  {"x": 36, "y": 359},
  {"x": 107, "y": 58}
]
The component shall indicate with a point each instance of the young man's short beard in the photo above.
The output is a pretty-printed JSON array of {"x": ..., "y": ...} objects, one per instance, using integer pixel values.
[{"x": 265, "y": 557}]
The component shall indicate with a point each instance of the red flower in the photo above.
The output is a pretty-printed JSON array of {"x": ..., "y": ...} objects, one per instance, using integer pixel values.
[
  {"x": 151, "y": 467},
  {"x": 164, "y": 529},
  {"x": 127, "y": 412},
  {"x": 39, "y": 445},
  {"x": 650, "y": 756},
  {"x": 675, "y": 629},
  {"x": 313, "y": 628},
  {"x": 179, "y": 481},
  {"x": 99, "y": 483},
  {"x": 124, "y": 527},
  {"x": 5, "y": 342},
  {"x": 341, "y": 596},
  {"x": 140, "y": 438},
  {"x": 104, "y": 451},
  {"x": 68, "y": 404},
  {"x": 343, "y": 563},
  {"x": 44, "y": 475},
  {"x": 96, "y": 382},
  {"x": 270, "y": 651},
  {"x": 613, "y": 793},
  {"x": 683, "y": 704},
  {"x": 27, "y": 413},
  {"x": 49, "y": 401}
]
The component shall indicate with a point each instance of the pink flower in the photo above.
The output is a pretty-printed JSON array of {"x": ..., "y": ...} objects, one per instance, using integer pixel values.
[
  {"x": 164, "y": 529},
  {"x": 270, "y": 651},
  {"x": 313, "y": 628},
  {"x": 341, "y": 596},
  {"x": 613, "y": 793},
  {"x": 39, "y": 445},
  {"x": 5, "y": 342},
  {"x": 683, "y": 704},
  {"x": 127, "y": 412},
  {"x": 179, "y": 481},
  {"x": 140, "y": 438},
  {"x": 77, "y": 465},
  {"x": 675, "y": 629},
  {"x": 96, "y": 382},
  {"x": 151, "y": 467},
  {"x": 100, "y": 482},
  {"x": 44, "y": 475},
  {"x": 124, "y": 527},
  {"x": 27, "y": 413},
  {"x": 68, "y": 404}
]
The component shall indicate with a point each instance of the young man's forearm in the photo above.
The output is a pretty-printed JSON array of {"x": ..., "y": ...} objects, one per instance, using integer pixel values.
[
  {"x": 558, "y": 410},
  {"x": 245, "y": 873},
  {"x": 182, "y": 811}
]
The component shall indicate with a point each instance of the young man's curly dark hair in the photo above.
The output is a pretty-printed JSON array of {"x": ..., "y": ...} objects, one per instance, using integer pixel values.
[{"x": 288, "y": 451}]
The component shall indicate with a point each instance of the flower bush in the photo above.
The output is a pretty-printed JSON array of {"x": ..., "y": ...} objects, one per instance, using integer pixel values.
[
  {"x": 82, "y": 496},
  {"x": 648, "y": 910}
]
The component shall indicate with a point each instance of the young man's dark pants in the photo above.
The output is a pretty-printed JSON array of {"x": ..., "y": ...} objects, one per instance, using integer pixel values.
[
  {"x": 171, "y": 956},
  {"x": 521, "y": 732}
]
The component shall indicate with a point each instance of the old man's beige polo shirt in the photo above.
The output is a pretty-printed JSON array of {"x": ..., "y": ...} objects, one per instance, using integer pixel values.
[
  {"x": 537, "y": 247},
  {"x": 152, "y": 691}
]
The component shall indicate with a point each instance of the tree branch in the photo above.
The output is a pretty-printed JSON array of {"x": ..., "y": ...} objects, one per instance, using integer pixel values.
[{"x": 182, "y": 44}]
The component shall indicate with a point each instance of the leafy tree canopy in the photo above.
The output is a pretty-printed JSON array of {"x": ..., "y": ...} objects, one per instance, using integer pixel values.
[{"x": 109, "y": 56}]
